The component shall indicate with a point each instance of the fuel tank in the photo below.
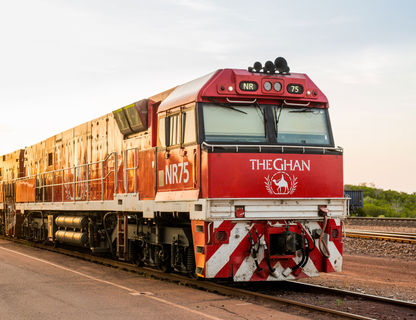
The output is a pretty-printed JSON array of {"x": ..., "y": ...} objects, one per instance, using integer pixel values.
[
  {"x": 69, "y": 237},
  {"x": 71, "y": 222}
]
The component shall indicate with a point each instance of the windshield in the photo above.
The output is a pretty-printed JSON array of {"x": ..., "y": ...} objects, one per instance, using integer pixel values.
[
  {"x": 235, "y": 123},
  {"x": 305, "y": 126},
  {"x": 265, "y": 124}
]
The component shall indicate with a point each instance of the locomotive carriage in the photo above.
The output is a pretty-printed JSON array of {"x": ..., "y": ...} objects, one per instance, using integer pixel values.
[{"x": 232, "y": 175}]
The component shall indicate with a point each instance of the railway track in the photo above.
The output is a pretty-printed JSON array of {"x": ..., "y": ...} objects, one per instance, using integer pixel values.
[
  {"x": 382, "y": 235},
  {"x": 381, "y": 219},
  {"x": 365, "y": 306},
  {"x": 265, "y": 291}
]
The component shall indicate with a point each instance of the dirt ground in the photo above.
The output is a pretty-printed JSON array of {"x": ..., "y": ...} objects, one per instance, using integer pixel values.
[
  {"x": 383, "y": 276},
  {"x": 376, "y": 267}
]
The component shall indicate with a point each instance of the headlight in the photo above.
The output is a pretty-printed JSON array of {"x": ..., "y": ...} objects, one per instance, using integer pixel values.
[
  {"x": 277, "y": 86},
  {"x": 267, "y": 86}
]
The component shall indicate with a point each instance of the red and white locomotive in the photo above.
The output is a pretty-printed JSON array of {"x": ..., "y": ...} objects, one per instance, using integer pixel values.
[{"x": 232, "y": 175}]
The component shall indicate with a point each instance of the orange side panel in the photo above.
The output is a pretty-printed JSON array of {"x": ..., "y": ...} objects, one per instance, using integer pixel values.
[
  {"x": 70, "y": 166},
  {"x": 146, "y": 174},
  {"x": 199, "y": 231},
  {"x": 25, "y": 190}
]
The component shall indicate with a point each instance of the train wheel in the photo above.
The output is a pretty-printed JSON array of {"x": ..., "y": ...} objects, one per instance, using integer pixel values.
[{"x": 164, "y": 263}]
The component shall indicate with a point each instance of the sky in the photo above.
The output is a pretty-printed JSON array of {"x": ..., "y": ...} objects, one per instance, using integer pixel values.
[{"x": 63, "y": 63}]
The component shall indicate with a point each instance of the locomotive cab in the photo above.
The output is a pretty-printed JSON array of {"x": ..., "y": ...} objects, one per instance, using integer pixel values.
[{"x": 177, "y": 154}]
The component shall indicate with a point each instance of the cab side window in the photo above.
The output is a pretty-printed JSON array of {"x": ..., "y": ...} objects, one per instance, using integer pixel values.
[
  {"x": 188, "y": 127},
  {"x": 172, "y": 130},
  {"x": 161, "y": 132},
  {"x": 177, "y": 129}
]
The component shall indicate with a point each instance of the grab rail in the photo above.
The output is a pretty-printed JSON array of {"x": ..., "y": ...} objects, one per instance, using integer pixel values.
[
  {"x": 271, "y": 146},
  {"x": 127, "y": 169},
  {"x": 77, "y": 179}
]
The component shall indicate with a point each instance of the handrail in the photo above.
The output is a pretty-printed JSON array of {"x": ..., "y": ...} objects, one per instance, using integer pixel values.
[
  {"x": 241, "y": 101},
  {"x": 296, "y": 104},
  {"x": 135, "y": 167},
  {"x": 273, "y": 146},
  {"x": 41, "y": 178},
  {"x": 71, "y": 182},
  {"x": 63, "y": 169}
]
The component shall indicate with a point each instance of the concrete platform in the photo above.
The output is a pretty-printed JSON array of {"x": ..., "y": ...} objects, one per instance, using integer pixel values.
[{"x": 38, "y": 284}]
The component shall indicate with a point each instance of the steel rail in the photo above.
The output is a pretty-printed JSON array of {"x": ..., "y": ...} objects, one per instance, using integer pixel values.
[
  {"x": 392, "y": 233},
  {"x": 381, "y": 219},
  {"x": 387, "y": 236},
  {"x": 354, "y": 294},
  {"x": 194, "y": 283}
]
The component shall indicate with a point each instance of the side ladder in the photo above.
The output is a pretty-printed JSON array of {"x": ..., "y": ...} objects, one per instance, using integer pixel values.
[{"x": 122, "y": 236}]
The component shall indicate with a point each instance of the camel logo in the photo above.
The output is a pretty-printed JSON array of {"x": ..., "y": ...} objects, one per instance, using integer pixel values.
[{"x": 281, "y": 183}]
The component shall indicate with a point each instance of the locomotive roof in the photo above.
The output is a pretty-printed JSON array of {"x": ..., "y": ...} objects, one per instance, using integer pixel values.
[
  {"x": 185, "y": 93},
  {"x": 226, "y": 83}
]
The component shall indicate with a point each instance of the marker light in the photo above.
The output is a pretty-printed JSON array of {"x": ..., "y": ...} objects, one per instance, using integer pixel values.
[
  {"x": 230, "y": 88},
  {"x": 267, "y": 86},
  {"x": 221, "y": 236},
  {"x": 240, "y": 211},
  {"x": 277, "y": 86}
]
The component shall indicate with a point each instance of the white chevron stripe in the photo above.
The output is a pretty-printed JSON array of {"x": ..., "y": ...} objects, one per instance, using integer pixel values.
[
  {"x": 248, "y": 267},
  {"x": 278, "y": 271},
  {"x": 222, "y": 256},
  {"x": 335, "y": 257},
  {"x": 310, "y": 269}
]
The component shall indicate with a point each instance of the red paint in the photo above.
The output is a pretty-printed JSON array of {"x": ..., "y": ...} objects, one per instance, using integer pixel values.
[
  {"x": 223, "y": 80},
  {"x": 236, "y": 259},
  {"x": 213, "y": 246},
  {"x": 259, "y": 230},
  {"x": 177, "y": 169},
  {"x": 240, "y": 212},
  {"x": 254, "y": 175},
  {"x": 338, "y": 240}
]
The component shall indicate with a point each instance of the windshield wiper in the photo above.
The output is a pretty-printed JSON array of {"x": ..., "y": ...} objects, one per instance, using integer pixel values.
[
  {"x": 262, "y": 112},
  {"x": 278, "y": 118},
  {"x": 224, "y": 105},
  {"x": 259, "y": 108},
  {"x": 302, "y": 110}
]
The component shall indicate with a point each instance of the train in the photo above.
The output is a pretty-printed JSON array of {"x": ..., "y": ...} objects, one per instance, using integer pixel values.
[
  {"x": 356, "y": 201},
  {"x": 234, "y": 175}
]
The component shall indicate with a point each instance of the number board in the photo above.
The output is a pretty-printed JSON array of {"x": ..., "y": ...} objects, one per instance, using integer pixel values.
[
  {"x": 294, "y": 88},
  {"x": 248, "y": 86}
]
